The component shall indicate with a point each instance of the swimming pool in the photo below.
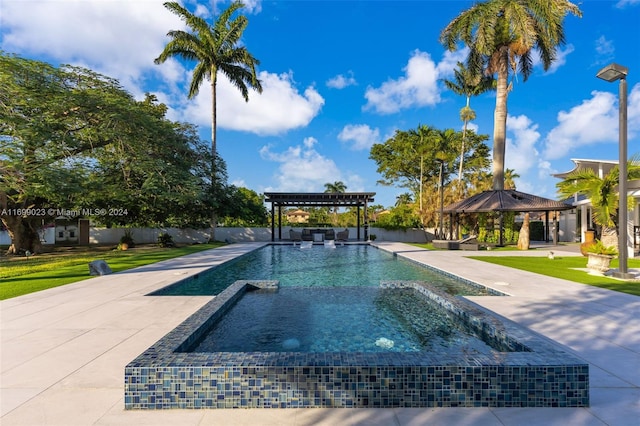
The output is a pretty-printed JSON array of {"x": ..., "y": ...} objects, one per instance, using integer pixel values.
[
  {"x": 523, "y": 370},
  {"x": 348, "y": 265}
]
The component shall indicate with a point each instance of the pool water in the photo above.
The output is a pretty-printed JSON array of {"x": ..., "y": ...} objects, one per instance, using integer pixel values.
[
  {"x": 348, "y": 265},
  {"x": 338, "y": 319}
]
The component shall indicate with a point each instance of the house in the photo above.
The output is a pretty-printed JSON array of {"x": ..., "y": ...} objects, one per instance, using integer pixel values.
[
  {"x": 298, "y": 216},
  {"x": 580, "y": 219}
]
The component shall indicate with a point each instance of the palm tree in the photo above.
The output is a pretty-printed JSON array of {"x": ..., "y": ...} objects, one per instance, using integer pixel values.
[
  {"x": 501, "y": 35},
  {"x": 427, "y": 138},
  {"x": 603, "y": 194},
  {"x": 468, "y": 84},
  {"x": 404, "y": 199},
  {"x": 215, "y": 49},
  {"x": 509, "y": 176},
  {"x": 335, "y": 187}
]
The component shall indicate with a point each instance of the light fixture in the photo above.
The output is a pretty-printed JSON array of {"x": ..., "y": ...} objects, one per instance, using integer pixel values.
[{"x": 611, "y": 73}]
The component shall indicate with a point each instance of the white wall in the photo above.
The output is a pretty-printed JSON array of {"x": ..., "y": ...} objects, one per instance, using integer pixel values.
[{"x": 191, "y": 236}]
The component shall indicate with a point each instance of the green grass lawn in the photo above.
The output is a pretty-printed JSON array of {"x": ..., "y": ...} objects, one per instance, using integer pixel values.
[
  {"x": 566, "y": 268},
  {"x": 21, "y": 275}
]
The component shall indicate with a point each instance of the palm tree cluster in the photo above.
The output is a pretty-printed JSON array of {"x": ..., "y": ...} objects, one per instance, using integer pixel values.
[{"x": 502, "y": 36}]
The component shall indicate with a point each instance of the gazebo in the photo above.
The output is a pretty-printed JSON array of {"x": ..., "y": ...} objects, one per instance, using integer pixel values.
[
  {"x": 505, "y": 200},
  {"x": 316, "y": 199}
]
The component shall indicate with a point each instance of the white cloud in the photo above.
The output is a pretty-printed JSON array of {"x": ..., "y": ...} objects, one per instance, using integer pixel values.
[
  {"x": 561, "y": 58},
  {"x": 361, "y": 136},
  {"x": 623, "y": 3},
  {"x": 450, "y": 61},
  {"x": 340, "y": 81},
  {"x": 240, "y": 183},
  {"x": 302, "y": 168},
  {"x": 604, "y": 50},
  {"x": 520, "y": 151},
  {"x": 354, "y": 183},
  {"x": 471, "y": 126},
  {"x": 278, "y": 109},
  {"x": 633, "y": 113},
  {"x": 252, "y": 6},
  {"x": 593, "y": 121},
  {"x": 418, "y": 87},
  {"x": 119, "y": 39}
]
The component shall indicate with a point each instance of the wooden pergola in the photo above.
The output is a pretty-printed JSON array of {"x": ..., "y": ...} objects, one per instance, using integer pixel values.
[{"x": 318, "y": 199}]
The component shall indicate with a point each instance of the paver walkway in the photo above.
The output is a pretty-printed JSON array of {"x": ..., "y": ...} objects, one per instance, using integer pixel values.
[{"x": 64, "y": 350}]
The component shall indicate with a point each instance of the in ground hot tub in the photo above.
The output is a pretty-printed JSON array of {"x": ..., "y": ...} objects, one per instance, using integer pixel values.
[{"x": 507, "y": 366}]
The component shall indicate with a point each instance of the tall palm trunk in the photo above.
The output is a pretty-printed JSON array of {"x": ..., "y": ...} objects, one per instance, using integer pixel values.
[
  {"x": 500, "y": 120},
  {"x": 464, "y": 138}
]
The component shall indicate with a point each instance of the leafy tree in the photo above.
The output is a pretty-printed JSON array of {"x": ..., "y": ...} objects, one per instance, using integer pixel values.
[
  {"x": 215, "y": 49},
  {"x": 501, "y": 35},
  {"x": 603, "y": 194},
  {"x": 50, "y": 120},
  {"x": 402, "y": 216},
  {"x": 245, "y": 208},
  {"x": 163, "y": 177},
  {"x": 411, "y": 159},
  {"x": 467, "y": 84},
  {"x": 71, "y": 139}
]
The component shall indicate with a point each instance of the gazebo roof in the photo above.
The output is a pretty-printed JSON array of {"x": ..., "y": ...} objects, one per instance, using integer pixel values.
[{"x": 506, "y": 200}]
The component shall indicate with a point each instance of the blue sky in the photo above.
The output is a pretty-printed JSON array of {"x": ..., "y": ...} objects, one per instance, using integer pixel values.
[{"x": 339, "y": 76}]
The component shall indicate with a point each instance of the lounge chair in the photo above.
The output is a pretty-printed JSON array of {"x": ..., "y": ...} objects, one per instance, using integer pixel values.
[
  {"x": 329, "y": 244},
  {"x": 468, "y": 243},
  {"x": 342, "y": 235}
]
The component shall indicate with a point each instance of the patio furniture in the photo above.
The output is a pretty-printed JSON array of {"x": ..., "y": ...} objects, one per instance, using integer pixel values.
[
  {"x": 326, "y": 234},
  {"x": 295, "y": 236},
  {"x": 342, "y": 235}
]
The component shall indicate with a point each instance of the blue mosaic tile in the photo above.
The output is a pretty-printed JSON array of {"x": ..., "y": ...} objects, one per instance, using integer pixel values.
[{"x": 532, "y": 374}]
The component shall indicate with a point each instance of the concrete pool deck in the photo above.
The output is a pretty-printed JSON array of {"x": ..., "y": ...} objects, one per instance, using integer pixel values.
[{"x": 63, "y": 350}]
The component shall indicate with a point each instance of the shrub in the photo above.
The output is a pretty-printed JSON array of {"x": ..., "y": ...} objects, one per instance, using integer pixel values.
[
  {"x": 126, "y": 241},
  {"x": 165, "y": 240},
  {"x": 599, "y": 248}
]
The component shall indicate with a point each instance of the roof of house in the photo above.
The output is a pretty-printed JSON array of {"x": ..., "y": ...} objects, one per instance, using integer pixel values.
[
  {"x": 298, "y": 213},
  {"x": 604, "y": 166}
]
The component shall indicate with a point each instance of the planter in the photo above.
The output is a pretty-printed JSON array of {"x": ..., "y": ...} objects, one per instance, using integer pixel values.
[
  {"x": 598, "y": 264},
  {"x": 589, "y": 240}
]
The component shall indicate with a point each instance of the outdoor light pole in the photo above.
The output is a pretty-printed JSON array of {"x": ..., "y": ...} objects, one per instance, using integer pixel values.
[{"x": 612, "y": 73}]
